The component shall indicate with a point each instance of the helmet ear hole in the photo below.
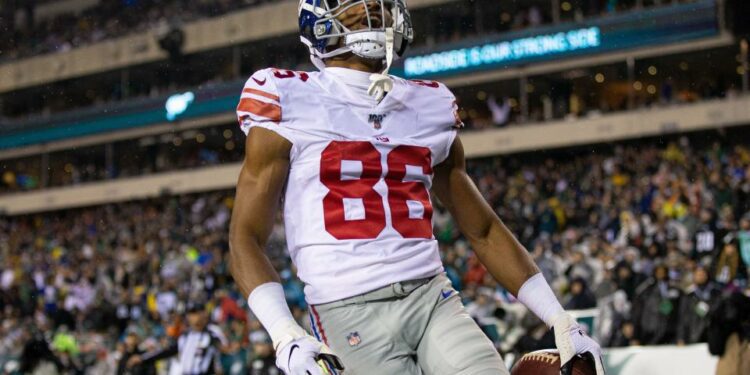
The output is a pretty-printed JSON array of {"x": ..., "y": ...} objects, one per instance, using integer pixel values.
[
  {"x": 306, "y": 26},
  {"x": 401, "y": 46},
  {"x": 333, "y": 43}
]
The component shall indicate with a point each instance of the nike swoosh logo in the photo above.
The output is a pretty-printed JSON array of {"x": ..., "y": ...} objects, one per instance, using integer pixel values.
[
  {"x": 446, "y": 294},
  {"x": 291, "y": 351},
  {"x": 263, "y": 82}
]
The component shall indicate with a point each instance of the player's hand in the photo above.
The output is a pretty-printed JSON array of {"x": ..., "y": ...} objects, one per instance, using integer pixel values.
[
  {"x": 571, "y": 341},
  {"x": 307, "y": 356}
]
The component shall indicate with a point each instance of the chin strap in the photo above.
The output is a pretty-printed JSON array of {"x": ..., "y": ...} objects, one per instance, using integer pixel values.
[{"x": 381, "y": 82}]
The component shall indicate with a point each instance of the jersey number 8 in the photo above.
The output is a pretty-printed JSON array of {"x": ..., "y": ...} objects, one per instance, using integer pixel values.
[{"x": 400, "y": 193}]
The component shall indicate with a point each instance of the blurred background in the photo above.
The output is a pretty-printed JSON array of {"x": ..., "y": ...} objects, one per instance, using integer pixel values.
[{"x": 612, "y": 136}]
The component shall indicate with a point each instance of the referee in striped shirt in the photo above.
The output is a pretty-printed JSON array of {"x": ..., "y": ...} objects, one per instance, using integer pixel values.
[{"x": 197, "y": 350}]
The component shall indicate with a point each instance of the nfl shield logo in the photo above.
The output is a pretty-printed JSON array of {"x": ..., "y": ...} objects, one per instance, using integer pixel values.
[
  {"x": 354, "y": 339},
  {"x": 377, "y": 120}
]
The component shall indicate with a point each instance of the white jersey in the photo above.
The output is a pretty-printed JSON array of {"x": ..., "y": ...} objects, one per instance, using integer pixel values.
[{"x": 357, "y": 210}]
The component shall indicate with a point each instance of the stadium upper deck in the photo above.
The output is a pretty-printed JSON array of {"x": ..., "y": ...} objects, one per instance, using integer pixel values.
[
  {"x": 619, "y": 60},
  {"x": 37, "y": 28},
  {"x": 42, "y": 27},
  {"x": 135, "y": 65}
]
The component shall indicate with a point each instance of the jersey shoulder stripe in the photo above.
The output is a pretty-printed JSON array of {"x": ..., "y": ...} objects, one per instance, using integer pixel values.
[
  {"x": 264, "y": 94},
  {"x": 260, "y": 101},
  {"x": 251, "y": 107}
]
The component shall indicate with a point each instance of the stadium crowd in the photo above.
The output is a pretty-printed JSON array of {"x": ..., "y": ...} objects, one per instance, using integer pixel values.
[
  {"x": 649, "y": 233},
  {"x": 111, "y": 18},
  {"x": 436, "y": 25},
  {"x": 105, "y": 20},
  {"x": 115, "y": 18},
  {"x": 212, "y": 146},
  {"x": 187, "y": 150},
  {"x": 480, "y": 17}
]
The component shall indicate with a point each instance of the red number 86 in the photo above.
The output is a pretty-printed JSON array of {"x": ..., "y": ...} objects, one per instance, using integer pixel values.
[{"x": 401, "y": 194}]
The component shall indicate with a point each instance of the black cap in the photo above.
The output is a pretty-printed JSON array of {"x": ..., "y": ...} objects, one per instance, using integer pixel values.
[{"x": 195, "y": 307}]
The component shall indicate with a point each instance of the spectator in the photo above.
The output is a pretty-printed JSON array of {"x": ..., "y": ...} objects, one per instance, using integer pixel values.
[
  {"x": 475, "y": 272},
  {"x": 262, "y": 362},
  {"x": 234, "y": 360},
  {"x": 614, "y": 312},
  {"x": 131, "y": 348},
  {"x": 729, "y": 333},
  {"x": 38, "y": 359},
  {"x": 625, "y": 335},
  {"x": 500, "y": 113},
  {"x": 66, "y": 349},
  {"x": 705, "y": 237},
  {"x": 743, "y": 239},
  {"x": 581, "y": 297},
  {"x": 626, "y": 279},
  {"x": 729, "y": 267},
  {"x": 655, "y": 309},
  {"x": 580, "y": 268},
  {"x": 483, "y": 310},
  {"x": 452, "y": 270},
  {"x": 694, "y": 307}
]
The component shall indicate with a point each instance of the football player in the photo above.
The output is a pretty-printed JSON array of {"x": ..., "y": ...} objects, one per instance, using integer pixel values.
[{"x": 355, "y": 154}]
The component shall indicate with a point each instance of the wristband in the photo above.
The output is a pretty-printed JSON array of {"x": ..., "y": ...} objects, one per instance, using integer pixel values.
[
  {"x": 268, "y": 303},
  {"x": 538, "y": 297}
]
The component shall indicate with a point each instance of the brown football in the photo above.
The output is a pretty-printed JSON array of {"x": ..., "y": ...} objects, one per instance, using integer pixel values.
[{"x": 547, "y": 362}]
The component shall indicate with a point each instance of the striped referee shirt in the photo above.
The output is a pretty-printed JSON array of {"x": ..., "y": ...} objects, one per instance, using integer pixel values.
[{"x": 197, "y": 351}]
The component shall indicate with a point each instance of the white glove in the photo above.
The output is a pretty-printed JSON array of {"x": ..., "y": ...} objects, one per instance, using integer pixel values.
[
  {"x": 571, "y": 341},
  {"x": 298, "y": 353}
]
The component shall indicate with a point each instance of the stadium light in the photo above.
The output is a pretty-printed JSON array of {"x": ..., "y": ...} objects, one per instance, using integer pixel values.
[{"x": 178, "y": 104}]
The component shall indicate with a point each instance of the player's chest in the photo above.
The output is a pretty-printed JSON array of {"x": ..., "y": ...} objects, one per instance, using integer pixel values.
[
  {"x": 338, "y": 128},
  {"x": 389, "y": 120},
  {"x": 373, "y": 159},
  {"x": 368, "y": 141}
]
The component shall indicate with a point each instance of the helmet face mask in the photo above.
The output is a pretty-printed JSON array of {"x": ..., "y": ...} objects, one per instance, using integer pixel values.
[{"x": 323, "y": 32}]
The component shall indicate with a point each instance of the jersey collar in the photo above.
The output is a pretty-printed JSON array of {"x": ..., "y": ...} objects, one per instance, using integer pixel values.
[{"x": 354, "y": 85}]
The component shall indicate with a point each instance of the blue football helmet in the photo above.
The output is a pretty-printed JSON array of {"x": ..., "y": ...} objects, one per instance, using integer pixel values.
[{"x": 321, "y": 31}]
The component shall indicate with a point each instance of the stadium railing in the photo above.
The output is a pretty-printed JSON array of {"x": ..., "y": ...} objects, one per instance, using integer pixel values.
[{"x": 657, "y": 360}]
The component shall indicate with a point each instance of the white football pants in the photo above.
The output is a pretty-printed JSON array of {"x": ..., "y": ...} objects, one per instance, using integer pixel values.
[{"x": 408, "y": 328}]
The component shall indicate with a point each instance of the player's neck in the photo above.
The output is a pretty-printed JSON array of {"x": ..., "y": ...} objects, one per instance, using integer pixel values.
[{"x": 351, "y": 61}]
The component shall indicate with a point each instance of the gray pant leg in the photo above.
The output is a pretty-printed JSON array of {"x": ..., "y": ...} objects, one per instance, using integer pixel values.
[
  {"x": 453, "y": 344},
  {"x": 379, "y": 350}
]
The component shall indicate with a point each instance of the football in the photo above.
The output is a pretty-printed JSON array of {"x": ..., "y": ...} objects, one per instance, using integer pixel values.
[{"x": 547, "y": 362}]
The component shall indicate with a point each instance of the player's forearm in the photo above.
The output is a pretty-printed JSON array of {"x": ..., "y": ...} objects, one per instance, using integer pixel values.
[
  {"x": 504, "y": 257},
  {"x": 248, "y": 264},
  {"x": 512, "y": 266},
  {"x": 255, "y": 207},
  {"x": 259, "y": 281}
]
